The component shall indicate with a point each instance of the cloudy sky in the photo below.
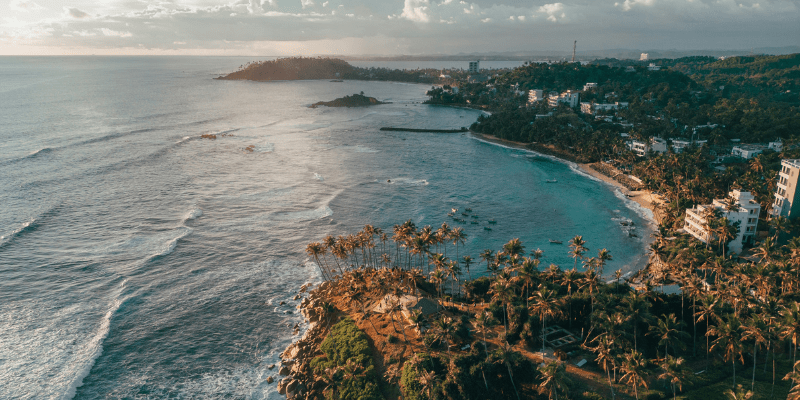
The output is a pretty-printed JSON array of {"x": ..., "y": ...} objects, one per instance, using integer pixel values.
[{"x": 387, "y": 27}]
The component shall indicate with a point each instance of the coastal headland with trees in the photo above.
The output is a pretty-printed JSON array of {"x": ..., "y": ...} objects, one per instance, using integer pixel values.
[{"x": 405, "y": 315}]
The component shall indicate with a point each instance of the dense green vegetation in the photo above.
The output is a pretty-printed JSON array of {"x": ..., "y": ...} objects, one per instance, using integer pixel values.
[
  {"x": 347, "y": 366},
  {"x": 731, "y": 316}
]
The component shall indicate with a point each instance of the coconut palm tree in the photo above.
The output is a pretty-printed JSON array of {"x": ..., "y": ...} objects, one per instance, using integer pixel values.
[
  {"x": 428, "y": 380},
  {"x": 444, "y": 330},
  {"x": 554, "y": 379},
  {"x": 457, "y": 235},
  {"x": 637, "y": 308},
  {"x": 603, "y": 257},
  {"x": 577, "y": 245},
  {"x": 505, "y": 356},
  {"x": 316, "y": 249},
  {"x": 668, "y": 330},
  {"x": 488, "y": 256},
  {"x": 545, "y": 304},
  {"x": 605, "y": 357},
  {"x": 503, "y": 291},
  {"x": 756, "y": 330},
  {"x": 728, "y": 331},
  {"x": 634, "y": 368},
  {"x": 794, "y": 376},
  {"x": 395, "y": 306},
  {"x": 673, "y": 371},
  {"x": 437, "y": 278},
  {"x": 454, "y": 272},
  {"x": 707, "y": 310},
  {"x": 467, "y": 263},
  {"x": 527, "y": 271},
  {"x": 790, "y": 326},
  {"x": 591, "y": 282},
  {"x": 570, "y": 279}
]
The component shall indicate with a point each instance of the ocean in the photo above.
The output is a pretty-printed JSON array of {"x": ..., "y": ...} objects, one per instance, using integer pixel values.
[{"x": 139, "y": 260}]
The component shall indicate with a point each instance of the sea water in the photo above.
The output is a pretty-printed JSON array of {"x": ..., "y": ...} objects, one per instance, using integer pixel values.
[{"x": 140, "y": 260}]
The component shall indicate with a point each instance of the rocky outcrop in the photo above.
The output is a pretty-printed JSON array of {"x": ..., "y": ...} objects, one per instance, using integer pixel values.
[{"x": 356, "y": 100}]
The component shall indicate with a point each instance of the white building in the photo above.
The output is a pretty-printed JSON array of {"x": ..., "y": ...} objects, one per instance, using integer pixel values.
[
  {"x": 589, "y": 86},
  {"x": 745, "y": 211},
  {"x": 593, "y": 108},
  {"x": 570, "y": 97},
  {"x": 641, "y": 148},
  {"x": 644, "y": 57},
  {"x": 747, "y": 151},
  {"x": 653, "y": 67},
  {"x": 776, "y": 146},
  {"x": 679, "y": 144},
  {"x": 474, "y": 67},
  {"x": 786, "y": 201},
  {"x": 535, "y": 95}
]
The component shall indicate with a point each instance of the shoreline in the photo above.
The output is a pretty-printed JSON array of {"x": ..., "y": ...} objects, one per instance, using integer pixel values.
[{"x": 643, "y": 198}]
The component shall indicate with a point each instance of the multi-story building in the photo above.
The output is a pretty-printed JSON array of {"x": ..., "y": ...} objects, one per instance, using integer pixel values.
[
  {"x": 641, "y": 148},
  {"x": 535, "y": 95},
  {"x": 786, "y": 201},
  {"x": 474, "y": 67},
  {"x": 744, "y": 210},
  {"x": 571, "y": 97},
  {"x": 593, "y": 108},
  {"x": 679, "y": 144},
  {"x": 747, "y": 151},
  {"x": 589, "y": 86}
]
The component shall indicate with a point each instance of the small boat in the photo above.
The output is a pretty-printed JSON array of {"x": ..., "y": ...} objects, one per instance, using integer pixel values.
[
  {"x": 468, "y": 209},
  {"x": 464, "y": 214},
  {"x": 450, "y": 214},
  {"x": 474, "y": 222},
  {"x": 475, "y": 216},
  {"x": 487, "y": 228},
  {"x": 454, "y": 210},
  {"x": 556, "y": 241},
  {"x": 491, "y": 221},
  {"x": 551, "y": 181}
]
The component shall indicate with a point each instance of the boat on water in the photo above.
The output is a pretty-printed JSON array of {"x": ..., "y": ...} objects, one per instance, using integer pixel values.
[
  {"x": 474, "y": 222},
  {"x": 487, "y": 228},
  {"x": 551, "y": 181},
  {"x": 454, "y": 210},
  {"x": 464, "y": 214},
  {"x": 468, "y": 209},
  {"x": 556, "y": 241},
  {"x": 491, "y": 221}
]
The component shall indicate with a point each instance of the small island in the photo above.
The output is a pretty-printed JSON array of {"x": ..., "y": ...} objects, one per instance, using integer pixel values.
[{"x": 356, "y": 100}]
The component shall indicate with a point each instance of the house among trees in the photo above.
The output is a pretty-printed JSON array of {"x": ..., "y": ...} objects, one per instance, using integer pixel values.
[{"x": 734, "y": 219}]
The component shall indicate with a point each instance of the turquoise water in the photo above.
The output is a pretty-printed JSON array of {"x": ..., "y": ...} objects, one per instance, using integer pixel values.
[{"x": 138, "y": 259}]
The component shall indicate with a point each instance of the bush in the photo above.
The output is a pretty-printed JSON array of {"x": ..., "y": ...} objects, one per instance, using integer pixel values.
[
  {"x": 430, "y": 341},
  {"x": 347, "y": 346},
  {"x": 391, "y": 338}
]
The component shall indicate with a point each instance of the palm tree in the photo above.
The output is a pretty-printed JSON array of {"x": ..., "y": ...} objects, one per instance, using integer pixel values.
[
  {"x": 570, "y": 279},
  {"x": 505, "y": 356},
  {"x": 514, "y": 247},
  {"x": 577, "y": 249},
  {"x": 503, "y": 291},
  {"x": 675, "y": 372},
  {"x": 428, "y": 380},
  {"x": 634, "y": 368},
  {"x": 483, "y": 322},
  {"x": 707, "y": 311},
  {"x": 526, "y": 273},
  {"x": 444, "y": 330},
  {"x": 591, "y": 282},
  {"x": 554, "y": 379},
  {"x": 794, "y": 376},
  {"x": 603, "y": 257},
  {"x": 458, "y": 236},
  {"x": 315, "y": 250},
  {"x": 729, "y": 338},
  {"x": 395, "y": 307},
  {"x": 545, "y": 305},
  {"x": 605, "y": 357},
  {"x": 488, "y": 256},
  {"x": 738, "y": 393},
  {"x": 467, "y": 262},
  {"x": 790, "y": 327},
  {"x": 637, "y": 309},
  {"x": 453, "y": 271},
  {"x": 437, "y": 278},
  {"x": 669, "y": 332},
  {"x": 757, "y": 331}
]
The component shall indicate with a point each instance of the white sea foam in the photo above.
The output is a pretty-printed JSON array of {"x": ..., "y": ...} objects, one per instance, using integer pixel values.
[
  {"x": 307, "y": 215},
  {"x": 363, "y": 149},
  {"x": 264, "y": 148},
  {"x": 184, "y": 139},
  {"x": 643, "y": 212},
  {"x": 168, "y": 247},
  {"x": 22, "y": 228},
  {"x": 40, "y": 151},
  {"x": 318, "y": 177},
  {"x": 194, "y": 213},
  {"x": 408, "y": 181},
  {"x": 94, "y": 349}
]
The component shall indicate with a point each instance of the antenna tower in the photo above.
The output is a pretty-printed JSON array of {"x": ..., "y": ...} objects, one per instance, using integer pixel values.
[{"x": 574, "y": 45}]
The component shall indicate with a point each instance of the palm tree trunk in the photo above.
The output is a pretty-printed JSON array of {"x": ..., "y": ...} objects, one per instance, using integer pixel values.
[
  {"x": 512, "y": 381},
  {"x": 608, "y": 374},
  {"x": 755, "y": 352}
]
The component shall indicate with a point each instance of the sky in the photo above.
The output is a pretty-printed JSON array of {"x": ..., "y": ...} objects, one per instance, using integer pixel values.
[{"x": 389, "y": 27}]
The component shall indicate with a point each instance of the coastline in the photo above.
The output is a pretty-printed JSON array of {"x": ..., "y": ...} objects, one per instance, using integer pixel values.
[{"x": 643, "y": 198}]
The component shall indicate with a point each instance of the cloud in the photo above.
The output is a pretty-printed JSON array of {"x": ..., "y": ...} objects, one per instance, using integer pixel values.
[
  {"x": 307, "y": 3},
  {"x": 75, "y": 13},
  {"x": 109, "y": 32},
  {"x": 628, "y": 4},
  {"x": 24, "y": 5},
  {"x": 554, "y": 11},
  {"x": 416, "y": 10}
]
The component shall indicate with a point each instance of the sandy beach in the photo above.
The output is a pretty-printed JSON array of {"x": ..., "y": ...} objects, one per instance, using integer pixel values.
[{"x": 644, "y": 198}]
